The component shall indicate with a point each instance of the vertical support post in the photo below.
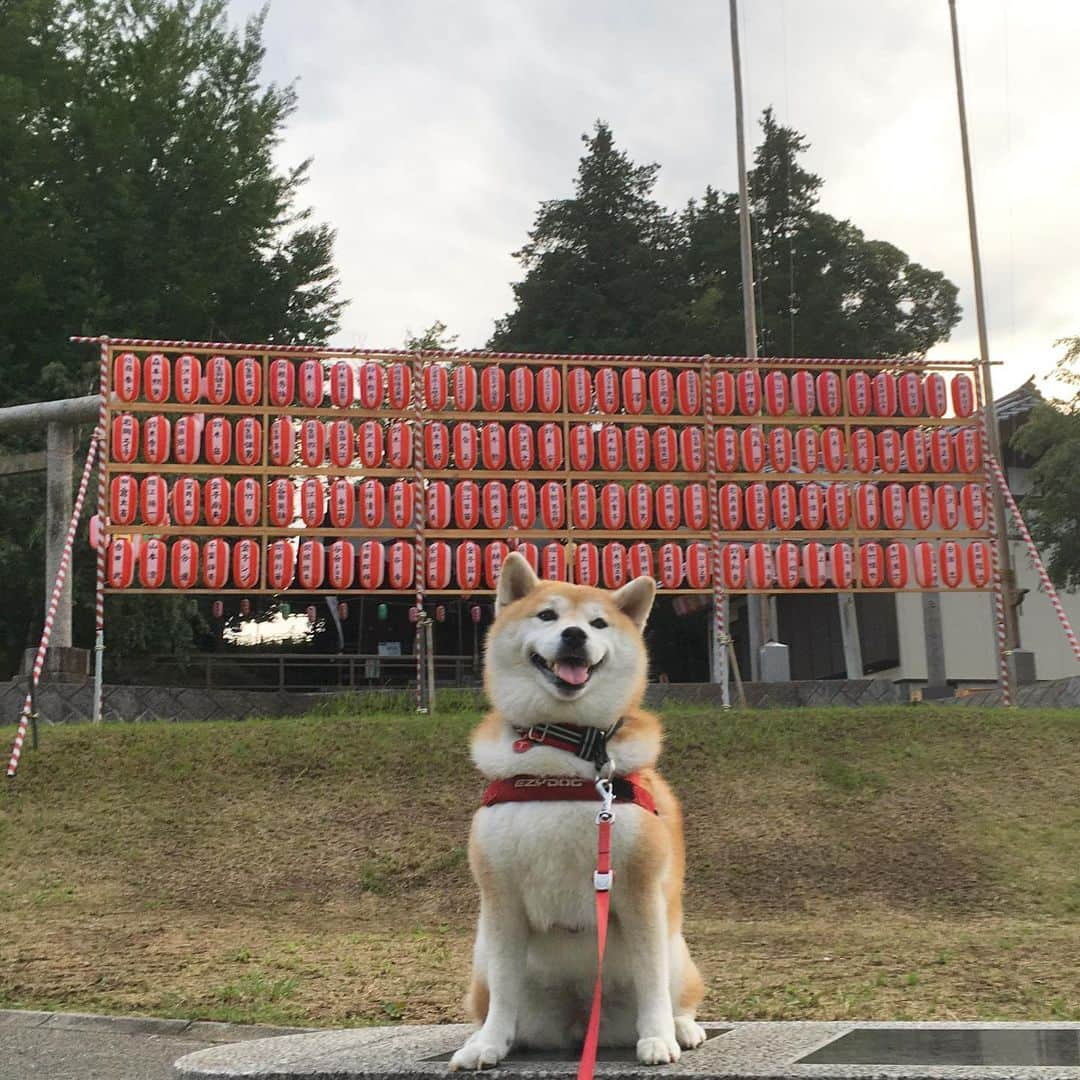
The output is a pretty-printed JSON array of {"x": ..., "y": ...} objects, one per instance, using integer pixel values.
[
  {"x": 934, "y": 638},
  {"x": 60, "y": 457},
  {"x": 103, "y": 517},
  {"x": 429, "y": 648},
  {"x": 849, "y": 635},
  {"x": 718, "y": 666}
]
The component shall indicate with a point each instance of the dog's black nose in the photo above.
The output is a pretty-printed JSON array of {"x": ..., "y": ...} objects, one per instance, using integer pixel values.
[{"x": 574, "y": 635}]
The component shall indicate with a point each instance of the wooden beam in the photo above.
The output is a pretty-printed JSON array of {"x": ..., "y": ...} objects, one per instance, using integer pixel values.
[{"x": 15, "y": 464}]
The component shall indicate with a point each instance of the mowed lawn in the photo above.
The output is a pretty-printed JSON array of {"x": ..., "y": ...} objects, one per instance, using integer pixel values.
[{"x": 905, "y": 863}]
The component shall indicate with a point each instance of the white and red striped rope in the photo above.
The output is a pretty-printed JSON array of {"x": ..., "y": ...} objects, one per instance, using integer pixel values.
[
  {"x": 419, "y": 517},
  {"x": 1004, "y": 675},
  {"x": 719, "y": 624},
  {"x": 1036, "y": 558},
  {"x": 103, "y": 421},
  {"x": 54, "y": 600}
]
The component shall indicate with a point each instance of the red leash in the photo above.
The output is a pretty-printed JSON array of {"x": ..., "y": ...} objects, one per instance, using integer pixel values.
[{"x": 602, "y": 883}]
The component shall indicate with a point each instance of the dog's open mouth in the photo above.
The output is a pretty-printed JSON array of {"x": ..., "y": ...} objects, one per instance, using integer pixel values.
[{"x": 569, "y": 673}]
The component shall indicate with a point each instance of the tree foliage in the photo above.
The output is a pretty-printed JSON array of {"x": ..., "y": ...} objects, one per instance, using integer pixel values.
[{"x": 138, "y": 196}]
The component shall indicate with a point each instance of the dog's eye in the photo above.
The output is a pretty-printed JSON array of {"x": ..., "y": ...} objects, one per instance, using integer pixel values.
[
  {"x": 548, "y": 615},
  {"x": 599, "y": 623}
]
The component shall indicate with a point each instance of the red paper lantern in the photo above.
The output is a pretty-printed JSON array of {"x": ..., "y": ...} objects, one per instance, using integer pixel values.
[
  {"x": 247, "y": 502},
  {"x": 812, "y": 506},
  {"x": 607, "y": 390},
  {"x": 157, "y": 377},
  {"x": 909, "y": 392},
  {"x": 688, "y": 392},
  {"x": 248, "y": 380},
  {"x": 859, "y": 393},
  {"x": 665, "y": 448},
  {"x": 752, "y": 440},
  {"x": 249, "y": 440},
  {"x": 188, "y": 379},
  {"x": 215, "y": 564},
  {"x": 897, "y": 566},
  {"x": 187, "y": 439},
  {"x": 787, "y": 562},
  {"x": 806, "y": 449},
  {"x": 553, "y": 504},
  {"x": 583, "y": 505},
  {"x": 581, "y": 448},
  {"x": 662, "y": 391},
  {"x": 522, "y": 390},
  {"x": 398, "y": 379},
  {"x": 963, "y": 395},
  {"x": 730, "y": 499},
  {"x": 184, "y": 563},
  {"x": 153, "y": 559},
  {"x": 727, "y": 449},
  {"x": 695, "y": 507},
  {"x": 941, "y": 450},
  {"x": 833, "y": 453},
  {"x": 466, "y": 446},
  {"x": 884, "y": 393},
  {"x": 925, "y": 565},
  {"x": 698, "y": 571},
  {"x": 776, "y": 393},
  {"x": 310, "y": 383},
  {"x": 438, "y": 505},
  {"x": 549, "y": 390},
  {"x": 671, "y": 566},
  {"x": 493, "y": 388},
  {"x": 921, "y": 506},
  {"x": 121, "y": 563},
  {"x": 890, "y": 450},
  {"x": 723, "y": 390},
  {"x": 342, "y": 384},
  {"x": 613, "y": 506},
  {"x": 156, "y": 436},
  {"x": 979, "y": 567},
  {"x": 523, "y": 504},
  {"x": 579, "y": 390},
  {"x": 871, "y": 566},
  {"x": 553, "y": 562},
  {"x": 862, "y": 450},
  {"x": 838, "y": 506},
  {"x": 493, "y": 446},
  {"x": 217, "y": 499},
  {"x": 947, "y": 501},
  {"x": 436, "y": 386},
  {"x": 667, "y": 507},
  {"x": 814, "y": 565},
  {"x": 951, "y": 563},
  {"x": 402, "y": 504},
  {"x": 748, "y": 392},
  {"x": 829, "y": 396},
  {"x": 153, "y": 504},
  {"x": 371, "y": 504},
  {"x": 915, "y": 453},
  {"x": 467, "y": 504},
  {"x": 282, "y": 381},
  {"x": 780, "y": 449},
  {"x": 438, "y": 565},
  {"x": 973, "y": 499},
  {"x": 342, "y": 503},
  {"x": 639, "y": 501},
  {"x": 802, "y": 393},
  {"x": 468, "y": 565},
  {"x": 634, "y": 390},
  {"x": 186, "y": 499},
  {"x": 124, "y": 445},
  {"x": 841, "y": 565},
  {"x": 893, "y": 506},
  {"x": 609, "y": 448},
  {"x": 340, "y": 569},
  {"x": 464, "y": 383},
  {"x": 785, "y": 506},
  {"x": 968, "y": 450},
  {"x": 281, "y": 502},
  {"x": 399, "y": 445},
  {"x": 494, "y": 556},
  {"x": 934, "y": 394},
  {"x": 522, "y": 451},
  {"x": 123, "y": 499},
  {"x": 282, "y": 441},
  {"x": 436, "y": 445},
  {"x": 637, "y": 448},
  {"x": 245, "y": 564},
  {"x": 762, "y": 567},
  {"x": 496, "y": 508},
  {"x": 400, "y": 564},
  {"x": 640, "y": 559},
  {"x": 733, "y": 566},
  {"x": 616, "y": 566},
  {"x": 218, "y": 440},
  {"x": 757, "y": 507},
  {"x": 127, "y": 376},
  {"x": 692, "y": 449},
  {"x": 867, "y": 506}
]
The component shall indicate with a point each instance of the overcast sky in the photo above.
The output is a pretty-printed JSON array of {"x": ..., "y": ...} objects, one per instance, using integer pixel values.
[{"x": 437, "y": 128}]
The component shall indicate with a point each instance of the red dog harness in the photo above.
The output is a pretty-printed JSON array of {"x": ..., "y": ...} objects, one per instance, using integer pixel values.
[{"x": 626, "y": 789}]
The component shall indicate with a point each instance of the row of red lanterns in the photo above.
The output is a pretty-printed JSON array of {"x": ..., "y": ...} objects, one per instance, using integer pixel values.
[
  {"x": 467, "y": 505},
  {"x": 494, "y": 446},
  {"x": 372, "y": 565},
  {"x": 372, "y": 385}
]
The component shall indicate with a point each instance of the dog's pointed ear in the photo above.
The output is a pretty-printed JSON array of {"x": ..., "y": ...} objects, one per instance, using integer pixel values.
[
  {"x": 635, "y": 599},
  {"x": 516, "y": 579}
]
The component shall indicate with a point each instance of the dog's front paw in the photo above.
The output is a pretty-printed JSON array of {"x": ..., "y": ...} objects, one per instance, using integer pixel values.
[
  {"x": 657, "y": 1050},
  {"x": 480, "y": 1052},
  {"x": 688, "y": 1033}
]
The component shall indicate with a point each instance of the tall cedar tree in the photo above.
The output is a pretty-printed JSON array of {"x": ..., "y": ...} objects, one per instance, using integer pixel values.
[{"x": 138, "y": 196}]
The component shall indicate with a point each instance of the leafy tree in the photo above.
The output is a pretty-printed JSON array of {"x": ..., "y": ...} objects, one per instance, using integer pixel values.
[
  {"x": 138, "y": 196},
  {"x": 1051, "y": 437}
]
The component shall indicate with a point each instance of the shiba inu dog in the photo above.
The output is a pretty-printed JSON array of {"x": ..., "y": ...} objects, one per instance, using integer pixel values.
[{"x": 565, "y": 670}]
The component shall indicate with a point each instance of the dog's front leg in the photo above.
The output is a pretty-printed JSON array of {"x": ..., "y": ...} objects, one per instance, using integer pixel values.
[
  {"x": 644, "y": 923},
  {"x": 504, "y": 932}
]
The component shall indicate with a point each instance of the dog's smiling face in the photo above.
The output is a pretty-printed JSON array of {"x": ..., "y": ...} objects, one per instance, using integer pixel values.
[{"x": 564, "y": 650}]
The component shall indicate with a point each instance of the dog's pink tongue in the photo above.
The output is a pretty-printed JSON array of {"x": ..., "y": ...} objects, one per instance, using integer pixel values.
[{"x": 574, "y": 674}]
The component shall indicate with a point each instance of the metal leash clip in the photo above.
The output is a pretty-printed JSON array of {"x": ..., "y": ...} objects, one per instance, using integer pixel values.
[{"x": 606, "y": 790}]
